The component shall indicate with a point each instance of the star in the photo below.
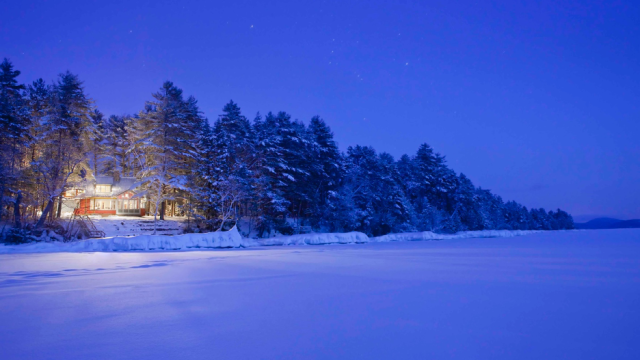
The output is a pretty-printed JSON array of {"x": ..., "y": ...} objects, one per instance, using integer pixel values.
[
  {"x": 251, "y": 27},
  {"x": 406, "y": 64}
]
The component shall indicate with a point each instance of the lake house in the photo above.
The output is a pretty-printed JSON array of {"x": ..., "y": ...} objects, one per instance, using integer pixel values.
[{"x": 107, "y": 196}]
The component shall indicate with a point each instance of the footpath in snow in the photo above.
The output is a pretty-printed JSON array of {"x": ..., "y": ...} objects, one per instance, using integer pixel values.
[{"x": 233, "y": 239}]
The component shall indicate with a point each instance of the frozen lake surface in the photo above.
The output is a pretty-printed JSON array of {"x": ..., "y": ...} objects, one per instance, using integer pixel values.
[{"x": 557, "y": 295}]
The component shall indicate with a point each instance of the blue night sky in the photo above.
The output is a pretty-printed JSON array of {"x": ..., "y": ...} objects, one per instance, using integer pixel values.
[{"x": 538, "y": 101}]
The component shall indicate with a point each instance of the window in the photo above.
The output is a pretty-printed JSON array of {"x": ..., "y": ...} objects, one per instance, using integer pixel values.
[
  {"x": 73, "y": 192},
  {"x": 103, "y": 188},
  {"x": 104, "y": 204}
]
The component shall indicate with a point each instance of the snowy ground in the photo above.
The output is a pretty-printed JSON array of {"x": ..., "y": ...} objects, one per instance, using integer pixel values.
[
  {"x": 133, "y": 225},
  {"x": 233, "y": 239},
  {"x": 553, "y": 295}
]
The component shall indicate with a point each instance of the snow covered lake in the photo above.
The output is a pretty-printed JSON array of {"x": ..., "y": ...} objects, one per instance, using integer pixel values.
[{"x": 555, "y": 295}]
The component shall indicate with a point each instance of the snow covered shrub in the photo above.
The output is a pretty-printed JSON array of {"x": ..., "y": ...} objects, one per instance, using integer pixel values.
[
  {"x": 15, "y": 236},
  {"x": 284, "y": 228}
]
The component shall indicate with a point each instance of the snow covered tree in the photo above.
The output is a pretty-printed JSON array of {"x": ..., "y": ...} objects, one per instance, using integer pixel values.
[
  {"x": 435, "y": 180},
  {"x": 277, "y": 143},
  {"x": 118, "y": 147},
  {"x": 64, "y": 140},
  {"x": 325, "y": 168},
  {"x": 232, "y": 148},
  {"x": 380, "y": 205},
  {"x": 516, "y": 216},
  {"x": 97, "y": 142},
  {"x": 491, "y": 209},
  {"x": 14, "y": 137},
  {"x": 164, "y": 139},
  {"x": 563, "y": 220}
]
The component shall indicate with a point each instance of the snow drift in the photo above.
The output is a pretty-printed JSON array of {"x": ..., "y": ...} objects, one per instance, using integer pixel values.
[
  {"x": 233, "y": 239},
  {"x": 317, "y": 239},
  {"x": 211, "y": 240},
  {"x": 428, "y": 235}
]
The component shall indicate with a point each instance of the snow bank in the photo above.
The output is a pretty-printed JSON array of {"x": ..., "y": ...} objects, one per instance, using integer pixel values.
[
  {"x": 233, "y": 239},
  {"x": 212, "y": 240},
  {"x": 317, "y": 239},
  {"x": 428, "y": 235}
]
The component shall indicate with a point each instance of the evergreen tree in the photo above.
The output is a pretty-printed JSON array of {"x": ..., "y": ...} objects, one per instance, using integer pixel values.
[
  {"x": 233, "y": 148},
  {"x": 206, "y": 175},
  {"x": 276, "y": 140},
  {"x": 14, "y": 137},
  {"x": 97, "y": 142},
  {"x": 435, "y": 180},
  {"x": 164, "y": 145},
  {"x": 64, "y": 140},
  {"x": 118, "y": 147},
  {"x": 325, "y": 168}
]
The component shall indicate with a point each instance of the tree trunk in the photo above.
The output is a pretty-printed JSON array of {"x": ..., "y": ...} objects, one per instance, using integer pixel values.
[
  {"x": 59, "y": 211},
  {"x": 52, "y": 211},
  {"x": 16, "y": 209},
  {"x": 162, "y": 209},
  {"x": 45, "y": 212},
  {"x": 1, "y": 198}
]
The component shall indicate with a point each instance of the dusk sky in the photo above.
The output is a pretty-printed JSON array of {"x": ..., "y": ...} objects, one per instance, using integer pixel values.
[{"x": 538, "y": 101}]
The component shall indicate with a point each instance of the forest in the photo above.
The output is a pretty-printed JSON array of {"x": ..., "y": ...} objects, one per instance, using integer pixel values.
[{"x": 276, "y": 173}]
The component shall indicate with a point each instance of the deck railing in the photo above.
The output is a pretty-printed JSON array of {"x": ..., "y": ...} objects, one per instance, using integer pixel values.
[{"x": 127, "y": 211}]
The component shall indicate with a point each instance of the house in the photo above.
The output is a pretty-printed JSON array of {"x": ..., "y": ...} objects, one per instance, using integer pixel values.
[{"x": 107, "y": 196}]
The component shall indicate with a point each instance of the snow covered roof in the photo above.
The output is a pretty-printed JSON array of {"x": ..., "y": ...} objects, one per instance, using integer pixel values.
[
  {"x": 117, "y": 187},
  {"x": 123, "y": 185},
  {"x": 104, "y": 180}
]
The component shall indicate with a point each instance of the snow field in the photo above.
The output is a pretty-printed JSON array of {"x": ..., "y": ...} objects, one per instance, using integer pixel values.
[{"x": 548, "y": 295}]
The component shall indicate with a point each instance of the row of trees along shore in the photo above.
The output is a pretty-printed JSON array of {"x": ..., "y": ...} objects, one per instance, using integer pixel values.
[{"x": 275, "y": 173}]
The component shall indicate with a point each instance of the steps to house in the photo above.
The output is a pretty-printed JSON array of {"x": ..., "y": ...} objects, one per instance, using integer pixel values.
[{"x": 81, "y": 225}]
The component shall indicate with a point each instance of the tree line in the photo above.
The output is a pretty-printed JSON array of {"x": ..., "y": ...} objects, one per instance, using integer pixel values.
[{"x": 276, "y": 173}]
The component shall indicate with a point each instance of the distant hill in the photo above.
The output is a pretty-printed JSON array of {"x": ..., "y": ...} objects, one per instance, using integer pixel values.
[
  {"x": 609, "y": 223},
  {"x": 627, "y": 224}
]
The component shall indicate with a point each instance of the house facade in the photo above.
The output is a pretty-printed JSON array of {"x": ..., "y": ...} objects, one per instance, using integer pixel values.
[{"x": 107, "y": 196}]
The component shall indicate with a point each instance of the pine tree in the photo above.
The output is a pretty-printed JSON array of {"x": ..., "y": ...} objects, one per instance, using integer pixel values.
[
  {"x": 97, "y": 142},
  {"x": 118, "y": 147},
  {"x": 435, "y": 180},
  {"x": 14, "y": 137},
  {"x": 206, "y": 175},
  {"x": 325, "y": 168},
  {"x": 64, "y": 140},
  {"x": 467, "y": 204},
  {"x": 164, "y": 145},
  {"x": 275, "y": 137},
  {"x": 233, "y": 152}
]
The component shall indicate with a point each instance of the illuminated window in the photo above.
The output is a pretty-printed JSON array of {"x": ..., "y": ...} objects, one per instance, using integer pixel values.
[
  {"x": 104, "y": 204},
  {"x": 103, "y": 188}
]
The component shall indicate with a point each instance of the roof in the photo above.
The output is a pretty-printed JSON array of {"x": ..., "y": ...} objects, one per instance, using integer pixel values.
[
  {"x": 104, "y": 180},
  {"x": 117, "y": 187},
  {"x": 123, "y": 185}
]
